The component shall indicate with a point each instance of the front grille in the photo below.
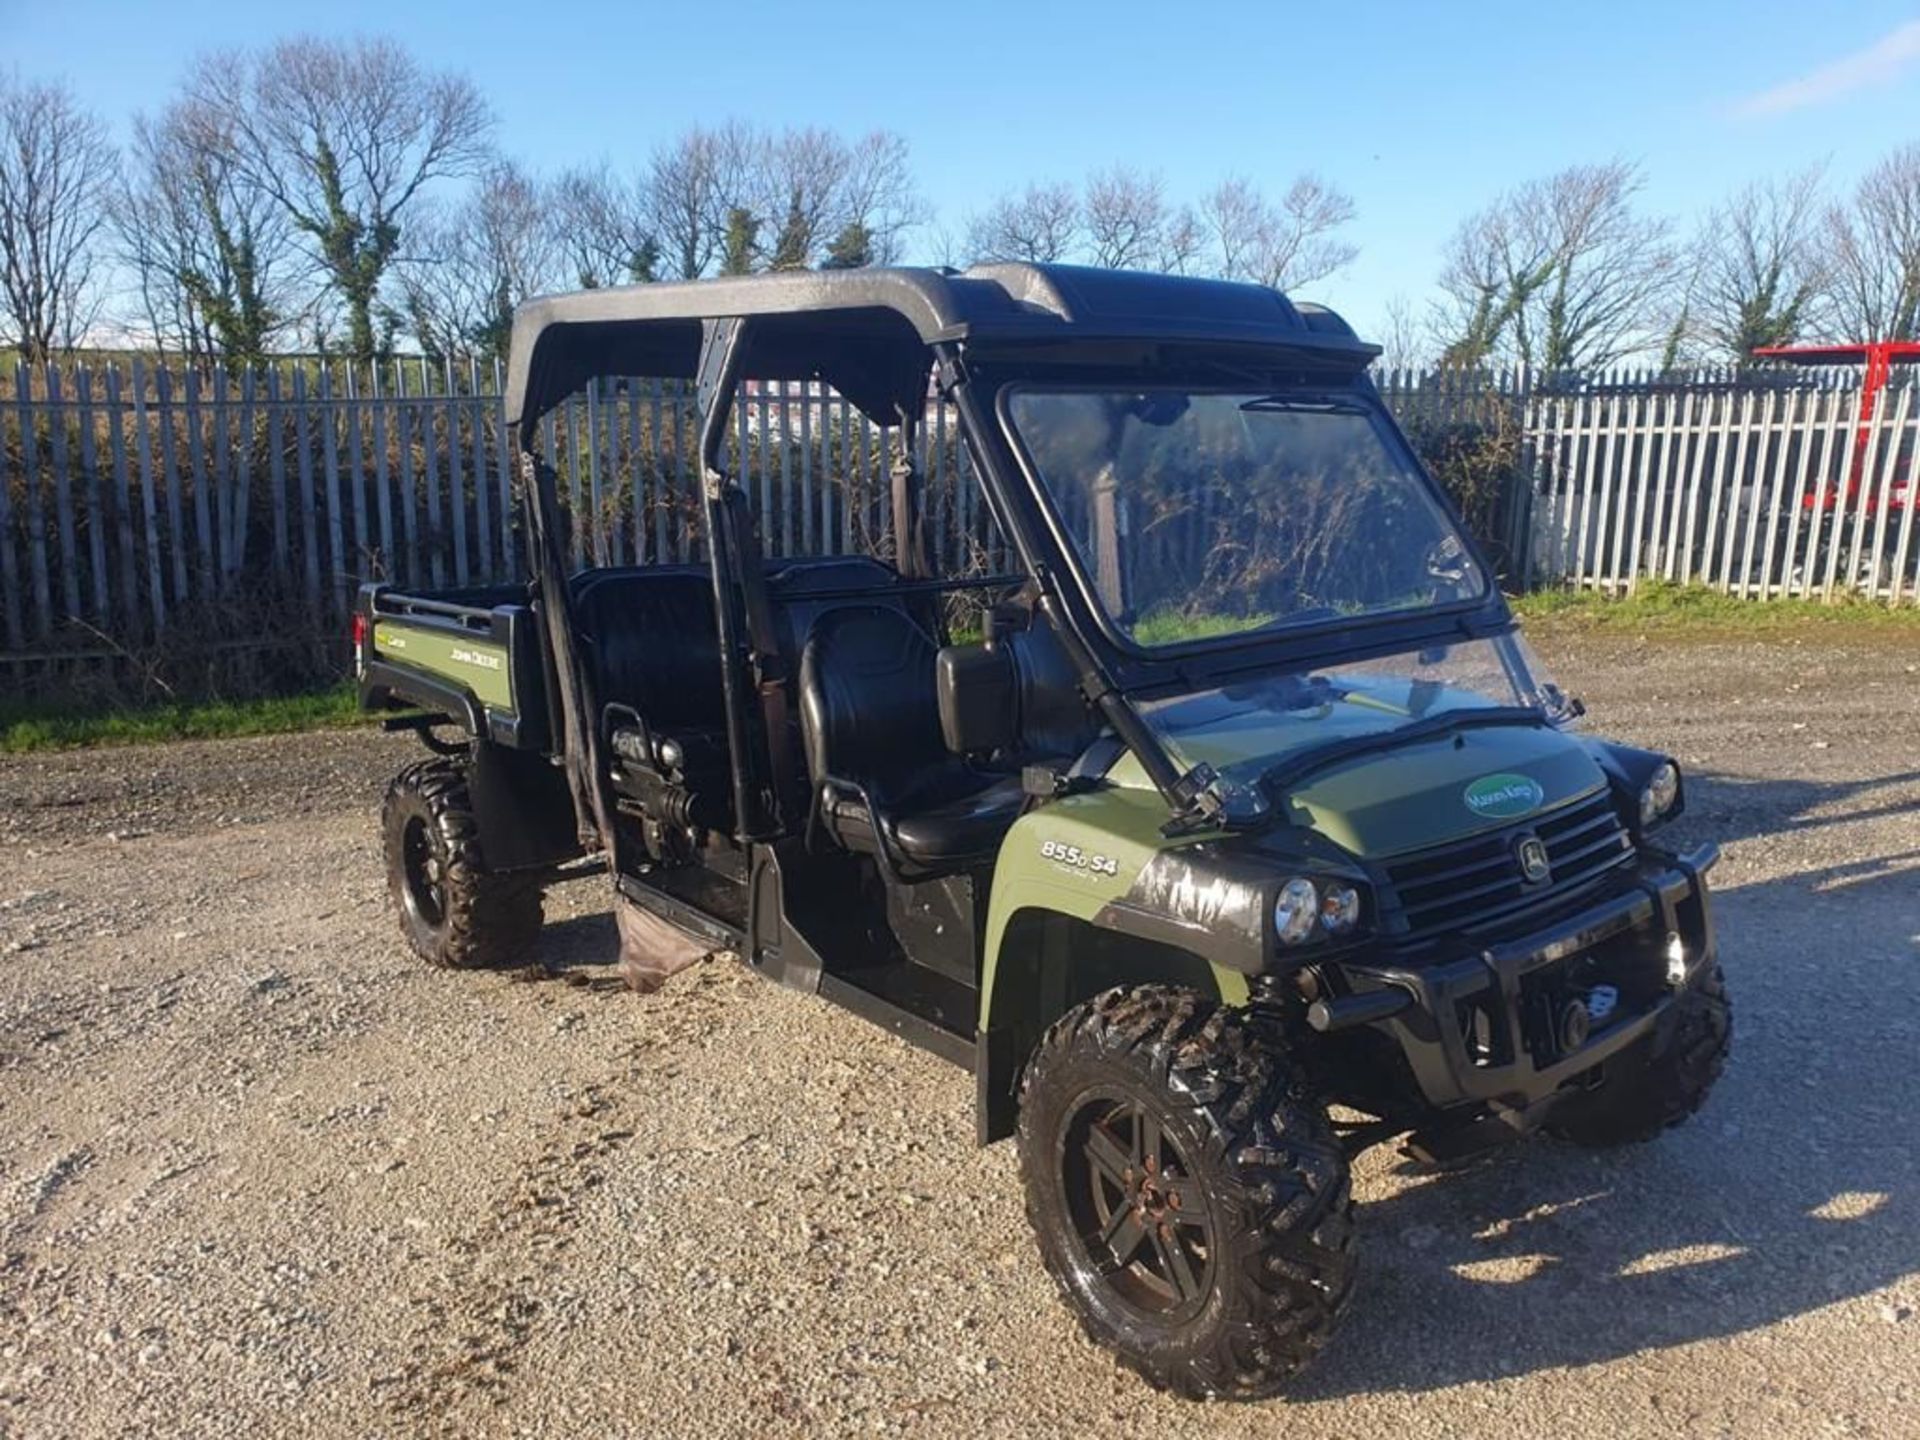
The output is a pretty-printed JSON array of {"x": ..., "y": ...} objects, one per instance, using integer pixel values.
[{"x": 1478, "y": 882}]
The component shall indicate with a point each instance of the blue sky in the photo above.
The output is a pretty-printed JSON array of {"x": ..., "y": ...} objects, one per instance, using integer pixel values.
[{"x": 1420, "y": 112}]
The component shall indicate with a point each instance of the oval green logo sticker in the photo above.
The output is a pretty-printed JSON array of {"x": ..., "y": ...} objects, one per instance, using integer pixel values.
[{"x": 1504, "y": 796}]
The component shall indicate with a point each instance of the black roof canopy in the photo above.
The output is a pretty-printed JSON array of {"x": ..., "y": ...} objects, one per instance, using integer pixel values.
[{"x": 866, "y": 332}]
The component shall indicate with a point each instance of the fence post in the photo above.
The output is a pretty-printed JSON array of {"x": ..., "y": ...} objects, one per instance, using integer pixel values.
[
  {"x": 143, "y": 446},
  {"x": 63, "y": 493},
  {"x": 170, "y": 473},
  {"x": 357, "y": 475},
  {"x": 456, "y": 488},
  {"x": 197, "y": 464},
  {"x": 241, "y": 510},
  {"x": 222, "y": 480},
  {"x": 503, "y": 445},
  {"x": 9, "y": 564},
  {"x": 1903, "y": 551},
  {"x": 303, "y": 470},
  {"x": 382, "y": 487},
  {"x": 1878, "y": 490},
  {"x": 36, "y": 507},
  {"x": 477, "y": 445},
  {"x": 122, "y": 506}
]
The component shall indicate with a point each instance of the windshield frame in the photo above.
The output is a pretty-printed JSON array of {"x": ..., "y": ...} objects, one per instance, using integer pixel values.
[{"x": 1280, "y": 642}]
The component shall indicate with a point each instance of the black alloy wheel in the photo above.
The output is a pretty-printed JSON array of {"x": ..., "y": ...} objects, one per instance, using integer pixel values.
[{"x": 1141, "y": 1219}]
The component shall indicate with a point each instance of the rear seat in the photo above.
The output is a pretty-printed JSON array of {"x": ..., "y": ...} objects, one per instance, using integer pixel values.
[{"x": 649, "y": 635}]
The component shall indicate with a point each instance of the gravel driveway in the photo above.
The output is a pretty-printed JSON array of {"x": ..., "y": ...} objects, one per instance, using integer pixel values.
[{"x": 261, "y": 1174}]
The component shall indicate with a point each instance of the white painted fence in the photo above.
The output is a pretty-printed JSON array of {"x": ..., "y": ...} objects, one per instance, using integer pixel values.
[{"x": 1756, "y": 491}]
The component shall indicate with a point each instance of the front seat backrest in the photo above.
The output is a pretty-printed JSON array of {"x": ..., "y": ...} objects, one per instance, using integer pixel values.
[{"x": 867, "y": 704}]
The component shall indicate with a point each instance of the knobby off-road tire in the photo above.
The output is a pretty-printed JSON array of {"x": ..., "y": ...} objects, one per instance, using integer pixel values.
[
  {"x": 1646, "y": 1093},
  {"x": 453, "y": 913},
  {"x": 1187, "y": 1191}
]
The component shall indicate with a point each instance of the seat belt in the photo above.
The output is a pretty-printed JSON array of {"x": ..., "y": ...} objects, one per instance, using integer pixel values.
[
  {"x": 769, "y": 667},
  {"x": 909, "y": 521}
]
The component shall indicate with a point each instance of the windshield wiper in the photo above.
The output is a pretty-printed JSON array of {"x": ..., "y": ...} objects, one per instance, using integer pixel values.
[{"x": 1279, "y": 781}]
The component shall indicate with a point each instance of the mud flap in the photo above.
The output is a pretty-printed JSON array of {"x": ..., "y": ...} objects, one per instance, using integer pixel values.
[{"x": 652, "y": 951}]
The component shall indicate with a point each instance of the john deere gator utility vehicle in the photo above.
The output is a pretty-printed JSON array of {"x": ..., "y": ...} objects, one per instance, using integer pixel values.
[{"x": 1231, "y": 801}]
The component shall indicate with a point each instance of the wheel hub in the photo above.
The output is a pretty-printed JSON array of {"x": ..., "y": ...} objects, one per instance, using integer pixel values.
[{"x": 1139, "y": 1210}]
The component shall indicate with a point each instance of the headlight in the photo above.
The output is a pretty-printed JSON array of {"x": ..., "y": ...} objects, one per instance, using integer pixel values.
[
  {"x": 1339, "y": 908},
  {"x": 1304, "y": 908},
  {"x": 1660, "y": 793},
  {"x": 1295, "y": 910}
]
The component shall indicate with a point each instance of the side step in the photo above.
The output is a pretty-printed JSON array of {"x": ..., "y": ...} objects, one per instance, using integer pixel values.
[{"x": 923, "y": 1006}]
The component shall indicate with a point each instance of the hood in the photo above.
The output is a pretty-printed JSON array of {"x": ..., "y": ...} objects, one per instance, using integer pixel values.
[{"x": 1429, "y": 791}]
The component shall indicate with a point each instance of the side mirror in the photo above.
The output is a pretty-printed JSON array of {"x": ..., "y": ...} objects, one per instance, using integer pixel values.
[{"x": 979, "y": 706}]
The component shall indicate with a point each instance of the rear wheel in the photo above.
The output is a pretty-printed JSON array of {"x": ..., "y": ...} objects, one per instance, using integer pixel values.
[
  {"x": 1647, "y": 1091},
  {"x": 454, "y": 913},
  {"x": 1188, "y": 1195}
]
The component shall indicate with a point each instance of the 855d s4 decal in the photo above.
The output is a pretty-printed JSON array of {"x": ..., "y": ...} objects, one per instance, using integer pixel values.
[{"x": 1072, "y": 857}]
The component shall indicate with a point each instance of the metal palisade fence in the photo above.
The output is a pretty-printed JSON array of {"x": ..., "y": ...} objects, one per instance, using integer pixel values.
[{"x": 142, "y": 501}]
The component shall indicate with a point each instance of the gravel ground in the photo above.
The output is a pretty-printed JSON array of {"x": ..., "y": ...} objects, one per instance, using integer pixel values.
[{"x": 260, "y": 1173}]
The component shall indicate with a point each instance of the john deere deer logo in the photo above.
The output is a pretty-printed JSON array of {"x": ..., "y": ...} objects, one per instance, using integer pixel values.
[{"x": 1530, "y": 853}]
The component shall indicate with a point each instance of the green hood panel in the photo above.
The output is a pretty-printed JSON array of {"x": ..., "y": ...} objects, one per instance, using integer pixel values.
[
  {"x": 1391, "y": 800},
  {"x": 1419, "y": 795}
]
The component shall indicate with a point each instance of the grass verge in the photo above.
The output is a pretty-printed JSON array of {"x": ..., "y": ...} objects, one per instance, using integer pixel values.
[
  {"x": 26, "y": 728},
  {"x": 1684, "y": 610}
]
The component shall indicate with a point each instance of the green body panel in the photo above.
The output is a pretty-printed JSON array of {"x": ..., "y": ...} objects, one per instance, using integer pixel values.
[
  {"x": 1392, "y": 801},
  {"x": 1099, "y": 843},
  {"x": 476, "y": 665}
]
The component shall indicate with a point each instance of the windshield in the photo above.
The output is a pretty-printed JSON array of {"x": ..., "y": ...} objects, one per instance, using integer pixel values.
[
  {"x": 1197, "y": 515},
  {"x": 1247, "y": 728}
]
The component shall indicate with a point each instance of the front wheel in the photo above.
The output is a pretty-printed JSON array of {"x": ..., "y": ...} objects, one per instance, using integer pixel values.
[
  {"x": 1187, "y": 1192},
  {"x": 454, "y": 912},
  {"x": 1646, "y": 1090}
]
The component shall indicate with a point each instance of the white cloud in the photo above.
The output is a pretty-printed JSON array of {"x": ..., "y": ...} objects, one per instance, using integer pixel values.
[{"x": 1885, "y": 60}]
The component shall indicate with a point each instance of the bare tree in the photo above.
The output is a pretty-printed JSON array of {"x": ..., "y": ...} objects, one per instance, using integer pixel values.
[
  {"x": 603, "y": 227},
  {"x": 1126, "y": 218},
  {"x": 1874, "y": 245},
  {"x": 826, "y": 199},
  {"x": 1284, "y": 245},
  {"x": 680, "y": 192},
  {"x": 1041, "y": 224},
  {"x": 1561, "y": 273},
  {"x": 1236, "y": 218},
  {"x": 1403, "y": 346},
  {"x": 346, "y": 137},
  {"x": 1301, "y": 246},
  {"x": 879, "y": 197},
  {"x": 1183, "y": 241},
  {"x": 1487, "y": 280},
  {"x": 212, "y": 257},
  {"x": 1758, "y": 266},
  {"x": 801, "y": 182},
  {"x": 475, "y": 263},
  {"x": 1611, "y": 268},
  {"x": 56, "y": 170}
]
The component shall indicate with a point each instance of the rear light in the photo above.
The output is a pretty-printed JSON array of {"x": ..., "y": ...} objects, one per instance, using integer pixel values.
[{"x": 359, "y": 633}]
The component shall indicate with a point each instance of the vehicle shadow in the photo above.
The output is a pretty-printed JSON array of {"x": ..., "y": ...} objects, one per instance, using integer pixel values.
[
  {"x": 1795, "y": 1188},
  {"x": 1730, "y": 807},
  {"x": 579, "y": 950}
]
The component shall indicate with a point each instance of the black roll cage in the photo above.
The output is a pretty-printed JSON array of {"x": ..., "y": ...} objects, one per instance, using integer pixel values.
[{"x": 876, "y": 336}]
